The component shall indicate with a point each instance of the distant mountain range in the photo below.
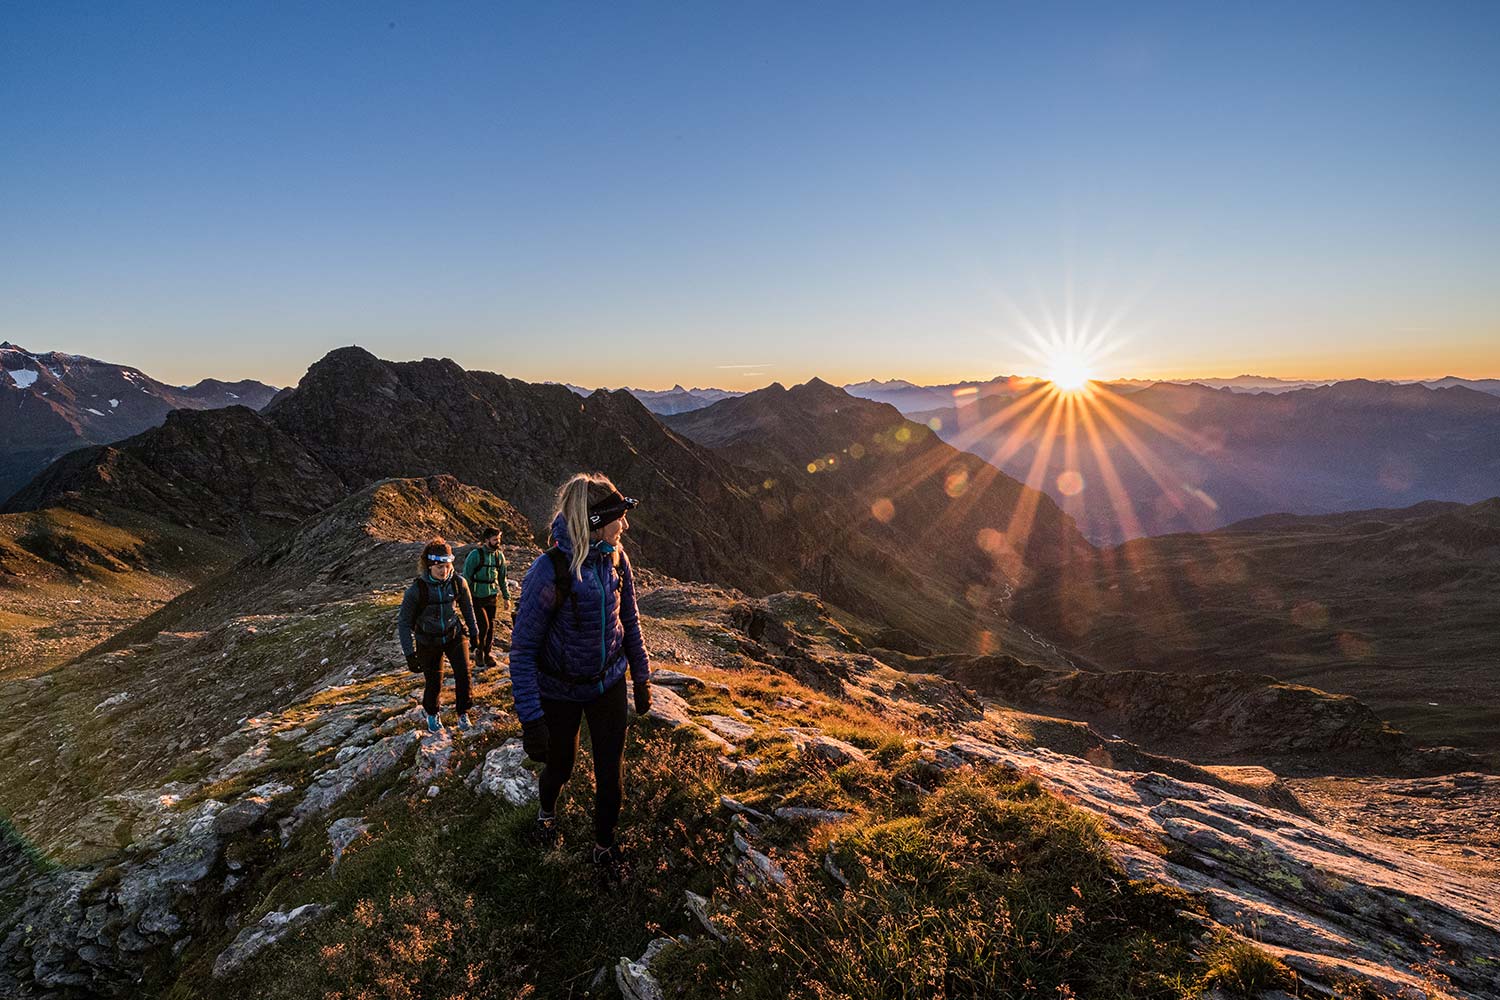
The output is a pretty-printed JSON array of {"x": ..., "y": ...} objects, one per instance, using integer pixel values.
[
  {"x": 911, "y": 398},
  {"x": 1188, "y": 458},
  {"x": 53, "y": 403}
]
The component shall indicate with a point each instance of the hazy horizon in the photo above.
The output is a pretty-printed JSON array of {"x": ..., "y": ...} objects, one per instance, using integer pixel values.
[{"x": 727, "y": 384}]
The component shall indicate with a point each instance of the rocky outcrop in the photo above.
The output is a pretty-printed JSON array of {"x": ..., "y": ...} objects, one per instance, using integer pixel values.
[
  {"x": 271, "y": 928},
  {"x": 93, "y": 930},
  {"x": 1330, "y": 905},
  {"x": 362, "y": 765}
]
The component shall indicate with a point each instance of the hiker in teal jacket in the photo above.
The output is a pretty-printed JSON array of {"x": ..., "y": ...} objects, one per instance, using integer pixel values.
[{"x": 484, "y": 569}]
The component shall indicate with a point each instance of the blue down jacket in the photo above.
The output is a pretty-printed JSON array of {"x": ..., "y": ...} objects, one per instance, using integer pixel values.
[{"x": 547, "y": 638}]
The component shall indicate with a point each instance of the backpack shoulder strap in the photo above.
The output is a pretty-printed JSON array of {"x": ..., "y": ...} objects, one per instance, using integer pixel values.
[
  {"x": 424, "y": 597},
  {"x": 562, "y": 580}
]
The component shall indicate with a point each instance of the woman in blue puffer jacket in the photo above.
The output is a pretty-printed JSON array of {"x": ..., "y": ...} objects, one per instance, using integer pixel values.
[{"x": 576, "y": 631}]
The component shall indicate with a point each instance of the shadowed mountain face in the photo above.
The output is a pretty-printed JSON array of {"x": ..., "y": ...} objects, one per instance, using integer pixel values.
[
  {"x": 1396, "y": 607},
  {"x": 917, "y": 528},
  {"x": 226, "y": 472},
  {"x": 893, "y": 479},
  {"x": 355, "y": 419},
  {"x": 53, "y": 403},
  {"x": 1174, "y": 458}
]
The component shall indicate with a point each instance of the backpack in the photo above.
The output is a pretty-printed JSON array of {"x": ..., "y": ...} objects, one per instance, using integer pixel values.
[
  {"x": 488, "y": 572},
  {"x": 562, "y": 581}
]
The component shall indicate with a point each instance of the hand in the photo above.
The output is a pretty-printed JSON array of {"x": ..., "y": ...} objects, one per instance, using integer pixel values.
[
  {"x": 534, "y": 738},
  {"x": 642, "y": 697},
  {"x": 412, "y": 664}
]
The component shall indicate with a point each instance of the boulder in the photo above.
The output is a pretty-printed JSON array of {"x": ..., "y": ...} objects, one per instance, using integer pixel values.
[
  {"x": 256, "y": 938},
  {"x": 504, "y": 773}
]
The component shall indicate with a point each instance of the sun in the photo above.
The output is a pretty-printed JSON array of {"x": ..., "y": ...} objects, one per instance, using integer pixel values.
[{"x": 1069, "y": 371}]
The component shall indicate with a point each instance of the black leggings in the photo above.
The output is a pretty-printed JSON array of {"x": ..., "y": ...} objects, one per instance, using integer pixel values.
[
  {"x": 606, "y": 715},
  {"x": 430, "y": 659}
]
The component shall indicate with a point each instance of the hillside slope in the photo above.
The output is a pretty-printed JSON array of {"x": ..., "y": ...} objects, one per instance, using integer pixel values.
[{"x": 1396, "y": 607}]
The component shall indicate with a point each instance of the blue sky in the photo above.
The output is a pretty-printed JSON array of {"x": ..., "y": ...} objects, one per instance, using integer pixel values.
[{"x": 655, "y": 193}]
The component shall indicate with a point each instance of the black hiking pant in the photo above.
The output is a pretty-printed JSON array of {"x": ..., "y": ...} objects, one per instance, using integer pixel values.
[
  {"x": 430, "y": 659},
  {"x": 606, "y": 715},
  {"x": 485, "y": 610}
]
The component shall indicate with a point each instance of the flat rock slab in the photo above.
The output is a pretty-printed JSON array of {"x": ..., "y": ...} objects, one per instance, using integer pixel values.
[
  {"x": 730, "y": 729},
  {"x": 810, "y": 815},
  {"x": 815, "y": 746}
]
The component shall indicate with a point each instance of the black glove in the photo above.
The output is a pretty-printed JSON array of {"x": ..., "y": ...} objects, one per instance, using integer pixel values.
[
  {"x": 412, "y": 664},
  {"x": 642, "y": 697},
  {"x": 534, "y": 740}
]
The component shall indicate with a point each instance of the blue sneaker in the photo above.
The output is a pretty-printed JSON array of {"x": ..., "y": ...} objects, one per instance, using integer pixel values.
[
  {"x": 433, "y": 725},
  {"x": 463, "y": 721}
]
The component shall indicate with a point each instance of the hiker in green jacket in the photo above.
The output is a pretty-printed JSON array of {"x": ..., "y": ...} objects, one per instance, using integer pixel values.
[{"x": 484, "y": 569}]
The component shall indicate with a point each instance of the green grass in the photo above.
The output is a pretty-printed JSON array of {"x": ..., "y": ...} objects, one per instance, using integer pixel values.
[
  {"x": 989, "y": 888},
  {"x": 1242, "y": 969}
]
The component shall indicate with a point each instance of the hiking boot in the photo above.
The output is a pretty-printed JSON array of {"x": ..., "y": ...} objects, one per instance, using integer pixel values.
[
  {"x": 463, "y": 721},
  {"x": 611, "y": 864},
  {"x": 490, "y": 661},
  {"x": 544, "y": 832},
  {"x": 434, "y": 725}
]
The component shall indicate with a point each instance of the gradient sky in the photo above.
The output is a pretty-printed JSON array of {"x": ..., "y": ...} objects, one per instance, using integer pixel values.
[{"x": 734, "y": 193}]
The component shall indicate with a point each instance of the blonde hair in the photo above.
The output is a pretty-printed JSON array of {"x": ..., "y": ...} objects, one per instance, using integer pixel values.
[{"x": 573, "y": 500}]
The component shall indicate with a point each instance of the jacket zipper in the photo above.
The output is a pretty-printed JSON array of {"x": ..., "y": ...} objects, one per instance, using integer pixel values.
[{"x": 603, "y": 618}]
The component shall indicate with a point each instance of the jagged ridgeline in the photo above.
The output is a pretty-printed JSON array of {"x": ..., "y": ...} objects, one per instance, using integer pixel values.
[{"x": 888, "y": 528}]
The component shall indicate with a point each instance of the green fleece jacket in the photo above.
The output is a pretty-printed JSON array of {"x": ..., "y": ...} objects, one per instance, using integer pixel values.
[{"x": 485, "y": 572}]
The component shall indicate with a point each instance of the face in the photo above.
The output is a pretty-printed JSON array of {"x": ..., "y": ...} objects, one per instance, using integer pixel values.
[
  {"x": 492, "y": 543},
  {"x": 440, "y": 571},
  {"x": 612, "y": 531}
]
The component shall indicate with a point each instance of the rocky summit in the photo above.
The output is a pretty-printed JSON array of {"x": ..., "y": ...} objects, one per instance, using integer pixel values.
[{"x": 233, "y": 798}]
